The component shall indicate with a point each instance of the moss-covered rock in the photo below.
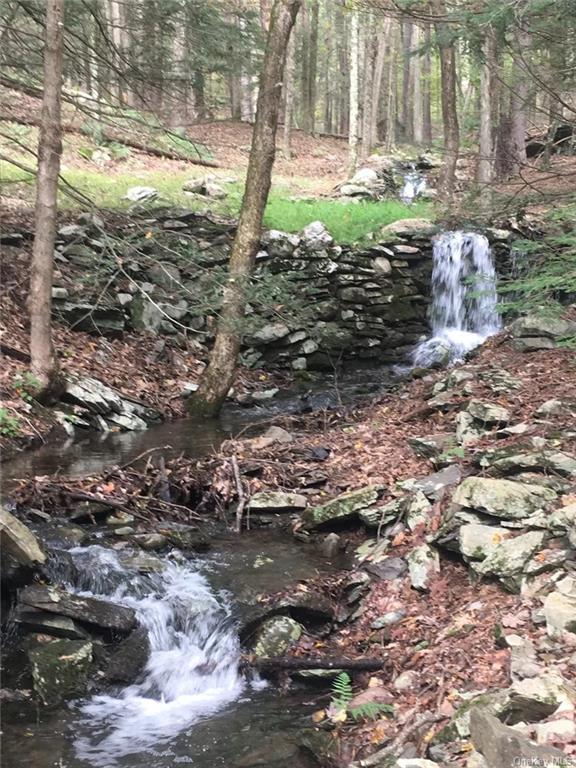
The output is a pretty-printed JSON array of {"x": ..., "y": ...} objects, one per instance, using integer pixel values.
[
  {"x": 276, "y": 635},
  {"x": 60, "y": 669},
  {"x": 344, "y": 507},
  {"x": 502, "y": 498}
]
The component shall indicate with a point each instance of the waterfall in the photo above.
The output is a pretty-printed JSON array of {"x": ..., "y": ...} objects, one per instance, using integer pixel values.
[
  {"x": 414, "y": 186},
  {"x": 192, "y": 670},
  {"x": 464, "y": 299}
]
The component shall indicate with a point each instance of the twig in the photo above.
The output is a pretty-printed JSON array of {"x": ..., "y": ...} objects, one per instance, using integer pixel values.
[
  {"x": 240, "y": 492},
  {"x": 145, "y": 453}
]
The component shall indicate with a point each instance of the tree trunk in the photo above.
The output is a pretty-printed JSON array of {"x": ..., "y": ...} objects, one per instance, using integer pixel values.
[
  {"x": 407, "y": 105},
  {"x": 288, "y": 99},
  {"x": 367, "y": 51},
  {"x": 44, "y": 364},
  {"x": 485, "y": 147},
  {"x": 449, "y": 103},
  {"x": 219, "y": 375},
  {"x": 427, "y": 90},
  {"x": 519, "y": 104},
  {"x": 416, "y": 77},
  {"x": 387, "y": 127},
  {"x": 382, "y": 41},
  {"x": 354, "y": 91}
]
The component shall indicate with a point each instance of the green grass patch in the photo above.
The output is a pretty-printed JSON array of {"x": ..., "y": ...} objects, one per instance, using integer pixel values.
[{"x": 346, "y": 222}]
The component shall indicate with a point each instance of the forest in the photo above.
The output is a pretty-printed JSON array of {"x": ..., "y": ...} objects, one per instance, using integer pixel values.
[{"x": 288, "y": 383}]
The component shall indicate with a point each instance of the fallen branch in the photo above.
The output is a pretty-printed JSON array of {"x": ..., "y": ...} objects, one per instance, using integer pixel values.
[
  {"x": 240, "y": 492},
  {"x": 23, "y": 357},
  {"x": 293, "y": 662}
]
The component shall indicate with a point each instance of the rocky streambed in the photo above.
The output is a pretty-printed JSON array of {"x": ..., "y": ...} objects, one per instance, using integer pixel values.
[{"x": 423, "y": 544}]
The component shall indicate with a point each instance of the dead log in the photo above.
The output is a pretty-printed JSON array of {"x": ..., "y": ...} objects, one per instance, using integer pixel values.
[{"x": 279, "y": 663}]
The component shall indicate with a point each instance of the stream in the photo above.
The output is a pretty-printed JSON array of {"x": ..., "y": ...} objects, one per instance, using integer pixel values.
[{"x": 191, "y": 706}]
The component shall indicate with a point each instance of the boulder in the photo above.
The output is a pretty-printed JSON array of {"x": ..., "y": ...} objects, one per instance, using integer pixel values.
[
  {"x": 533, "y": 343},
  {"x": 476, "y": 541},
  {"x": 507, "y": 462},
  {"x": 145, "y": 315},
  {"x": 504, "y": 747},
  {"x": 345, "y": 507},
  {"x": 502, "y": 498},
  {"x": 365, "y": 176},
  {"x": 33, "y": 620},
  {"x": 275, "y": 636},
  {"x": 433, "y": 486},
  {"x": 536, "y": 698},
  {"x": 129, "y": 659},
  {"x": 507, "y": 559},
  {"x": 409, "y": 227},
  {"x": 270, "y": 333},
  {"x": 542, "y": 326},
  {"x": 87, "y": 610},
  {"x": 432, "y": 446},
  {"x": 165, "y": 274},
  {"x": 97, "y": 320},
  {"x": 423, "y": 564},
  {"x": 141, "y": 194},
  {"x": 560, "y": 608},
  {"x": 316, "y": 237},
  {"x": 523, "y": 660},
  {"x": 277, "y": 501},
  {"x": 556, "y": 408},
  {"x": 60, "y": 669},
  {"x": 18, "y": 542},
  {"x": 488, "y": 413}
]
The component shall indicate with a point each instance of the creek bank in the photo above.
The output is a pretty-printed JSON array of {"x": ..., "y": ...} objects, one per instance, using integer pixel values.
[{"x": 462, "y": 559}]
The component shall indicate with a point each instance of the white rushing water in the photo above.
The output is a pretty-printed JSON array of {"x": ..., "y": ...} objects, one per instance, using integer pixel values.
[
  {"x": 192, "y": 671},
  {"x": 464, "y": 298},
  {"x": 414, "y": 186}
]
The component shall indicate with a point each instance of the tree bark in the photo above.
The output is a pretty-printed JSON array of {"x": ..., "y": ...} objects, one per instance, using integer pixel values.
[
  {"x": 354, "y": 91},
  {"x": 519, "y": 103},
  {"x": 427, "y": 90},
  {"x": 219, "y": 375},
  {"x": 288, "y": 99},
  {"x": 485, "y": 145},
  {"x": 416, "y": 78},
  {"x": 449, "y": 103},
  {"x": 44, "y": 364},
  {"x": 407, "y": 105},
  {"x": 382, "y": 40}
]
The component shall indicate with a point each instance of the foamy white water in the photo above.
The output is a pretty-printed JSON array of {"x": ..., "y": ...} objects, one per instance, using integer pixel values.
[
  {"x": 464, "y": 298},
  {"x": 192, "y": 671},
  {"x": 414, "y": 186}
]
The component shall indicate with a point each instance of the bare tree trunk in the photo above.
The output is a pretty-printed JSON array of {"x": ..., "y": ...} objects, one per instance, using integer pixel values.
[
  {"x": 449, "y": 103},
  {"x": 180, "y": 97},
  {"x": 416, "y": 77},
  {"x": 219, "y": 375},
  {"x": 382, "y": 41},
  {"x": 44, "y": 364},
  {"x": 519, "y": 103},
  {"x": 427, "y": 90},
  {"x": 407, "y": 108},
  {"x": 343, "y": 71},
  {"x": 288, "y": 99},
  {"x": 484, "y": 169},
  {"x": 354, "y": 91},
  {"x": 387, "y": 128},
  {"x": 367, "y": 51}
]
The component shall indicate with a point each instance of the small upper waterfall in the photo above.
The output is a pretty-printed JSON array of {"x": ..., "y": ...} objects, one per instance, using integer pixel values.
[
  {"x": 192, "y": 670},
  {"x": 464, "y": 299},
  {"x": 414, "y": 186}
]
